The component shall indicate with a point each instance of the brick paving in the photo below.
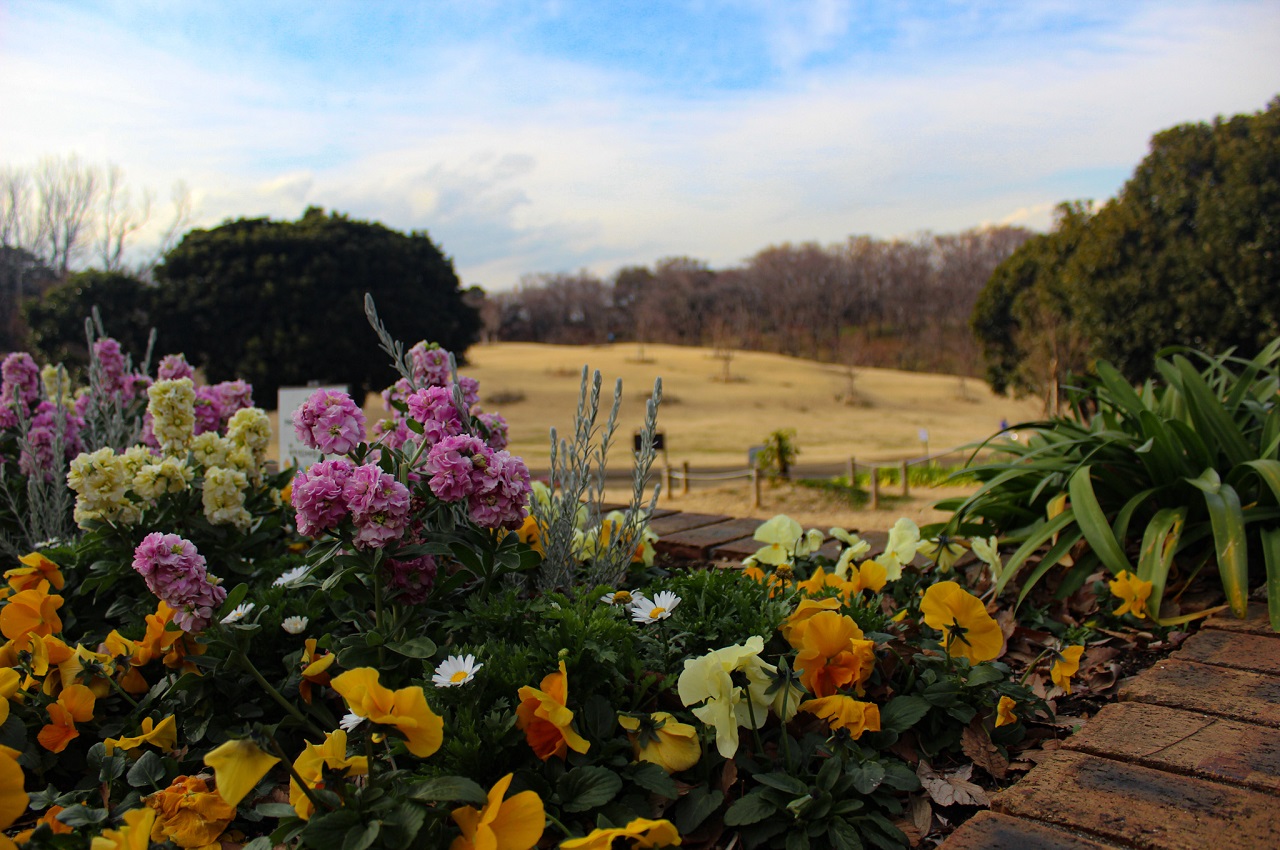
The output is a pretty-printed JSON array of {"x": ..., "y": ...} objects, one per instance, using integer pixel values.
[{"x": 1189, "y": 759}]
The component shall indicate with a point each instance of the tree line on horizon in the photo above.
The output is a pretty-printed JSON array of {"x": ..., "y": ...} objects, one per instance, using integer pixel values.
[{"x": 898, "y": 303}]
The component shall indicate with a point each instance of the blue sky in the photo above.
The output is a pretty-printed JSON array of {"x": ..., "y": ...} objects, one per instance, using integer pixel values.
[{"x": 552, "y": 136}]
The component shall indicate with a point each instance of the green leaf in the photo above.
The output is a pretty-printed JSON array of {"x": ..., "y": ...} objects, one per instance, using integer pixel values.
[
  {"x": 275, "y": 810},
  {"x": 842, "y": 835},
  {"x": 1271, "y": 554},
  {"x": 1042, "y": 535},
  {"x": 234, "y": 598},
  {"x": 695, "y": 807},
  {"x": 147, "y": 772},
  {"x": 420, "y": 647},
  {"x": 750, "y": 809},
  {"x": 262, "y": 842},
  {"x": 1094, "y": 523},
  {"x": 1159, "y": 543},
  {"x": 797, "y": 839},
  {"x": 867, "y": 777},
  {"x": 330, "y": 829},
  {"x": 902, "y": 712},
  {"x": 587, "y": 787},
  {"x": 362, "y": 837},
  {"x": 783, "y": 782},
  {"x": 79, "y": 816},
  {"x": 652, "y": 778},
  {"x": 983, "y": 674},
  {"x": 1232, "y": 548},
  {"x": 448, "y": 789}
]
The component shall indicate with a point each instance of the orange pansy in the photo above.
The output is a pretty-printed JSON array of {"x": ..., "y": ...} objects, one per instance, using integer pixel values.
[{"x": 546, "y": 721}]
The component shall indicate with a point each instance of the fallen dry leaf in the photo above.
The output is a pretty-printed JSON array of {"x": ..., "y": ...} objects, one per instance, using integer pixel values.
[
  {"x": 977, "y": 745},
  {"x": 952, "y": 787},
  {"x": 921, "y": 813}
]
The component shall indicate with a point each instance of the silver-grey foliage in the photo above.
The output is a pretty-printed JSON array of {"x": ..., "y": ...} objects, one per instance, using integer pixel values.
[{"x": 578, "y": 470}]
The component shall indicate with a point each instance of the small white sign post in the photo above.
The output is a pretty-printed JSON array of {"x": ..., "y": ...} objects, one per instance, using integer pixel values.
[{"x": 293, "y": 452}]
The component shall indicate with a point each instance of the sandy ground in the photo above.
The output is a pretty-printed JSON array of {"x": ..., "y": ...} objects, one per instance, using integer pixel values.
[{"x": 809, "y": 507}]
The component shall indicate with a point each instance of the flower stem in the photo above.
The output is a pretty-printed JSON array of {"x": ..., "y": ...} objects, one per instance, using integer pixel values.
[
  {"x": 293, "y": 773},
  {"x": 122, "y": 692},
  {"x": 248, "y": 666}
]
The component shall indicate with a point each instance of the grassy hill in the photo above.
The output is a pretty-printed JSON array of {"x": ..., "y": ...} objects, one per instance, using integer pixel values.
[{"x": 712, "y": 422}]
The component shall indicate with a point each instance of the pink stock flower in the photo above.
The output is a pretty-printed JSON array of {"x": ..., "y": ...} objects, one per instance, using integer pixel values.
[
  {"x": 470, "y": 391},
  {"x": 173, "y": 367},
  {"x": 329, "y": 422},
  {"x": 175, "y": 572},
  {"x": 430, "y": 366},
  {"x": 411, "y": 581},
  {"x": 45, "y": 426},
  {"x": 501, "y": 497},
  {"x": 392, "y": 433},
  {"x": 111, "y": 359},
  {"x": 434, "y": 408},
  {"x": 317, "y": 496},
  {"x": 379, "y": 506},
  {"x": 21, "y": 378},
  {"x": 453, "y": 464},
  {"x": 233, "y": 396},
  {"x": 208, "y": 410},
  {"x": 494, "y": 427}
]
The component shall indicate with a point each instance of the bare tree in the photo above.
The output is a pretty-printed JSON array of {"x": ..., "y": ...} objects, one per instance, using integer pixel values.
[
  {"x": 119, "y": 219},
  {"x": 67, "y": 192}
]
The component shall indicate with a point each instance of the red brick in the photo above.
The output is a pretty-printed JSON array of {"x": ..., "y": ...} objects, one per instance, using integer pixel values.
[
  {"x": 1144, "y": 808},
  {"x": 698, "y": 542},
  {"x": 1185, "y": 742},
  {"x": 991, "y": 831},
  {"x": 1241, "y": 650},
  {"x": 1256, "y": 623},
  {"x": 1235, "y": 694},
  {"x": 736, "y": 550},
  {"x": 682, "y": 521}
]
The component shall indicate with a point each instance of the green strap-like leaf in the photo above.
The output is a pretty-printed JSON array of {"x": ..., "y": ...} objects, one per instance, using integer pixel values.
[
  {"x": 1232, "y": 548},
  {"x": 1034, "y": 541},
  {"x": 1210, "y": 415},
  {"x": 1159, "y": 543},
  {"x": 1048, "y": 562},
  {"x": 1271, "y": 554},
  {"x": 1093, "y": 522}
]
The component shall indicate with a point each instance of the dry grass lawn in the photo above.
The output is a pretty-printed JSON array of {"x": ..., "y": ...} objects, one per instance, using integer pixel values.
[{"x": 710, "y": 422}]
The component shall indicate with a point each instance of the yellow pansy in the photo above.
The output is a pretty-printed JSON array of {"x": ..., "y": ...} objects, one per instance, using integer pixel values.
[
  {"x": 545, "y": 718},
  {"x": 661, "y": 739},
  {"x": 238, "y": 765},
  {"x": 1133, "y": 592},
  {"x": 189, "y": 814},
  {"x": 1004, "y": 711},
  {"x": 1066, "y": 665},
  {"x": 844, "y": 712},
  {"x": 967, "y": 629},
  {"x": 315, "y": 760},
  {"x": 641, "y": 833},
  {"x": 512, "y": 824},
  {"x": 405, "y": 709},
  {"x": 134, "y": 834},
  {"x": 162, "y": 735}
]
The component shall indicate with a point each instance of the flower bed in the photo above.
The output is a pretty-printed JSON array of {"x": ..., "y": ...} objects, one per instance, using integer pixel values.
[{"x": 411, "y": 644}]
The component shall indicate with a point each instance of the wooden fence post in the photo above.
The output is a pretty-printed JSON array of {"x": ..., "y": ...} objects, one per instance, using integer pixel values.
[
  {"x": 755, "y": 487},
  {"x": 906, "y": 480},
  {"x": 684, "y": 478},
  {"x": 853, "y": 473},
  {"x": 666, "y": 480},
  {"x": 875, "y": 488}
]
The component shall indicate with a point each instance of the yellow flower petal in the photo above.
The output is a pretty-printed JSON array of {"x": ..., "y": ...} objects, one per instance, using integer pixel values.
[{"x": 238, "y": 765}]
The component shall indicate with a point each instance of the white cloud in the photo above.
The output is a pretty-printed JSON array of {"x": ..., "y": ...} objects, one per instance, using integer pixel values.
[{"x": 516, "y": 162}]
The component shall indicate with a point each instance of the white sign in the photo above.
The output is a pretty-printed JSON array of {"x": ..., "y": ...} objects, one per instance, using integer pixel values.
[
  {"x": 924, "y": 435},
  {"x": 293, "y": 452}
]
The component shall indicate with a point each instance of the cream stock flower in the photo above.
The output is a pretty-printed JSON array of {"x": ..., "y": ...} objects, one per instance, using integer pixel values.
[
  {"x": 224, "y": 497},
  {"x": 172, "y": 408}
]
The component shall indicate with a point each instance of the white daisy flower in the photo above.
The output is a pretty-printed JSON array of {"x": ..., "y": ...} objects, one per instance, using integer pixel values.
[
  {"x": 622, "y": 597},
  {"x": 238, "y": 613},
  {"x": 294, "y": 625},
  {"x": 350, "y": 720},
  {"x": 290, "y": 576},
  {"x": 455, "y": 670},
  {"x": 651, "y": 611}
]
